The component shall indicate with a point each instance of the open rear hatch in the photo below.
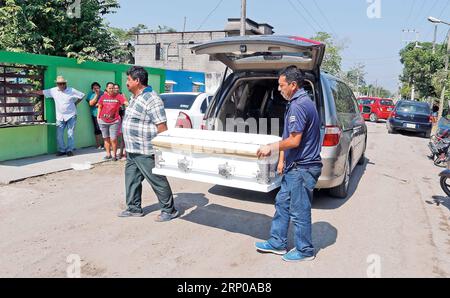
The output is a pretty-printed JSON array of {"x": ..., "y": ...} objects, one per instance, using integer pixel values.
[
  {"x": 262, "y": 52},
  {"x": 229, "y": 158}
]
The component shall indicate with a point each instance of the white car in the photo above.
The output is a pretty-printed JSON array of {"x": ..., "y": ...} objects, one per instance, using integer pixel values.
[{"x": 185, "y": 109}]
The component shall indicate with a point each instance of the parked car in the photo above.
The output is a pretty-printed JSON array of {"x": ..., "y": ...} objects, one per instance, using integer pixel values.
[
  {"x": 185, "y": 109},
  {"x": 412, "y": 116},
  {"x": 251, "y": 93},
  {"x": 374, "y": 108}
]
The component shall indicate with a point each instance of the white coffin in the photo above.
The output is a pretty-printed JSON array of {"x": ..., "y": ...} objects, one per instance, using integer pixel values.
[{"x": 216, "y": 157}]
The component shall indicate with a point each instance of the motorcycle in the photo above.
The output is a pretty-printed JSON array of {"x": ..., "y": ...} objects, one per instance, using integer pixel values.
[
  {"x": 445, "y": 181},
  {"x": 439, "y": 149}
]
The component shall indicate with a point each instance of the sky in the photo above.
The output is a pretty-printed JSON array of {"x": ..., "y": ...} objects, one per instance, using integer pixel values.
[{"x": 370, "y": 30}]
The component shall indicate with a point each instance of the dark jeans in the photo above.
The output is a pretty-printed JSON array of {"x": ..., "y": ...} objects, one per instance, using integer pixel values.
[
  {"x": 138, "y": 168},
  {"x": 293, "y": 202}
]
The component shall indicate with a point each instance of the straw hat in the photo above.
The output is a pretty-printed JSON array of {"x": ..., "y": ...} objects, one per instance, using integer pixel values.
[{"x": 60, "y": 79}]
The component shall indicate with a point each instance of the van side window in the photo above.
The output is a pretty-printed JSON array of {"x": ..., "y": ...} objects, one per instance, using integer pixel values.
[
  {"x": 345, "y": 106},
  {"x": 204, "y": 105},
  {"x": 343, "y": 98},
  {"x": 351, "y": 97}
]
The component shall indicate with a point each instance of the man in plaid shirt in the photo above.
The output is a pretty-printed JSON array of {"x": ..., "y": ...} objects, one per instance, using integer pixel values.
[{"x": 144, "y": 119}]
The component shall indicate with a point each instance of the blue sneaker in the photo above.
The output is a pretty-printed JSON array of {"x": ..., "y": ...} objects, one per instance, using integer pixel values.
[
  {"x": 164, "y": 216},
  {"x": 295, "y": 256},
  {"x": 266, "y": 247}
]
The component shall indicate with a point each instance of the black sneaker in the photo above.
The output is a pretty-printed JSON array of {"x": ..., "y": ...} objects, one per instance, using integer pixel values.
[
  {"x": 60, "y": 153},
  {"x": 164, "y": 216},
  {"x": 70, "y": 153},
  {"x": 127, "y": 213}
]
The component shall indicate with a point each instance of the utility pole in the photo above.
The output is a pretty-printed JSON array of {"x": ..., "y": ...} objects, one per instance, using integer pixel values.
[
  {"x": 434, "y": 39},
  {"x": 376, "y": 88},
  {"x": 357, "y": 85},
  {"x": 441, "y": 104},
  {"x": 181, "y": 51},
  {"x": 413, "y": 88},
  {"x": 243, "y": 16}
]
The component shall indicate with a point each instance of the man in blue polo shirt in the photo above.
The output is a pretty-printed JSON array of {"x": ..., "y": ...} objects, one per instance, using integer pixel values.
[{"x": 301, "y": 166}]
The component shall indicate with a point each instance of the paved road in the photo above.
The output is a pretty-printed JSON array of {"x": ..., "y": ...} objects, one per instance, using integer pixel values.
[{"x": 395, "y": 223}]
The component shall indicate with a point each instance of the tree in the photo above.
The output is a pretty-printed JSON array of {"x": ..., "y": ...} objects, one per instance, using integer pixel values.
[
  {"x": 376, "y": 91},
  {"x": 49, "y": 27},
  {"x": 420, "y": 66},
  {"x": 332, "y": 59},
  {"x": 355, "y": 77}
]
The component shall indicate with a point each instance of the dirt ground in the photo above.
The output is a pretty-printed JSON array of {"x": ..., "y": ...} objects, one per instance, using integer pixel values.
[{"x": 395, "y": 223}]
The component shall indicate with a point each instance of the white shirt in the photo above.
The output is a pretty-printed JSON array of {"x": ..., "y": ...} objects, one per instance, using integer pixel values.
[{"x": 64, "y": 102}]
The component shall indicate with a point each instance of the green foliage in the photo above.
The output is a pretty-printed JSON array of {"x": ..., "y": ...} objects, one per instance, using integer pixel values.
[
  {"x": 355, "y": 77},
  {"x": 420, "y": 67},
  {"x": 332, "y": 59},
  {"x": 49, "y": 27}
]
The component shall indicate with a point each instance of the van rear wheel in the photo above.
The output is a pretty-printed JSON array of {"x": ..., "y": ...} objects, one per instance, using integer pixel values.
[{"x": 341, "y": 191}]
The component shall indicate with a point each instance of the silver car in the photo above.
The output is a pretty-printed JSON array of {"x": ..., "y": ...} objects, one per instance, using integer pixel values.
[{"x": 250, "y": 94}]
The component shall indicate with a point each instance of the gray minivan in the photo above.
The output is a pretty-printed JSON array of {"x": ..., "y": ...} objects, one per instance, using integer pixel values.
[{"x": 250, "y": 91}]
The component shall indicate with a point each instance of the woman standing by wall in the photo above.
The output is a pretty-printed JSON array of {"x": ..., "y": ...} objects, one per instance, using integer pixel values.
[{"x": 109, "y": 119}]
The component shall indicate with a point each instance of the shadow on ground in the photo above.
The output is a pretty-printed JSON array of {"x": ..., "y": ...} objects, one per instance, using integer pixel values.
[
  {"x": 322, "y": 199},
  {"x": 243, "y": 222},
  {"x": 440, "y": 200}
]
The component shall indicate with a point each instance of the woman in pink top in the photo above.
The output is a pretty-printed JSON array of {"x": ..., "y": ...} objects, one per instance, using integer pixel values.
[{"x": 109, "y": 119}]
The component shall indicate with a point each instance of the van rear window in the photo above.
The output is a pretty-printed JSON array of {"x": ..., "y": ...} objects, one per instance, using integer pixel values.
[
  {"x": 414, "y": 108},
  {"x": 178, "y": 101}
]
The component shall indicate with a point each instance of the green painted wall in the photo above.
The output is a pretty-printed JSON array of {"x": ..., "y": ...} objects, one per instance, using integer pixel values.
[
  {"x": 42, "y": 138},
  {"x": 24, "y": 141},
  {"x": 153, "y": 80},
  {"x": 81, "y": 79}
]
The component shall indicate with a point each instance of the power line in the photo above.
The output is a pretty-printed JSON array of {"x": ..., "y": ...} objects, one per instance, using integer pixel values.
[
  {"x": 206, "y": 18},
  {"x": 410, "y": 12},
  {"x": 439, "y": 16},
  {"x": 377, "y": 58},
  {"x": 302, "y": 16},
  {"x": 209, "y": 15},
  {"x": 310, "y": 15},
  {"x": 432, "y": 7},
  {"x": 420, "y": 11},
  {"x": 325, "y": 17}
]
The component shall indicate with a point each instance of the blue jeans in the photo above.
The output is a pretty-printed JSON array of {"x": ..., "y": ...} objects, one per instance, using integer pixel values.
[
  {"x": 293, "y": 201},
  {"x": 60, "y": 127}
]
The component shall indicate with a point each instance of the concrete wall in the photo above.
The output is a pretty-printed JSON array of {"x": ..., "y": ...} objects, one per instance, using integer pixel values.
[
  {"x": 185, "y": 80},
  {"x": 175, "y": 51}
]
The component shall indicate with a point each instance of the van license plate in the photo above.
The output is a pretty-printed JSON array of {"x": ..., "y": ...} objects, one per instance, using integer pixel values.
[{"x": 409, "y": 125}]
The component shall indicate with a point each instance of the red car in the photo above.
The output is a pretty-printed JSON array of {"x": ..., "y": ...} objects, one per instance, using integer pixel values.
[{"x": 375, "y": 108}]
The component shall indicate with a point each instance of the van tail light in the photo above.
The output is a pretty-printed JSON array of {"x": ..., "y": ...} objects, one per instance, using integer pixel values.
[
  {"x": 431, "y": 119},
  {"x": 332, "y": 136},
  {"x": 393, "y": 115},
  {"x": 183, "y": 121}
]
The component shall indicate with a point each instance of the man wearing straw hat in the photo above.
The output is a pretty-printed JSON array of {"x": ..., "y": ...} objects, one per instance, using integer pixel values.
[{"x": 66, "y": 99}]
